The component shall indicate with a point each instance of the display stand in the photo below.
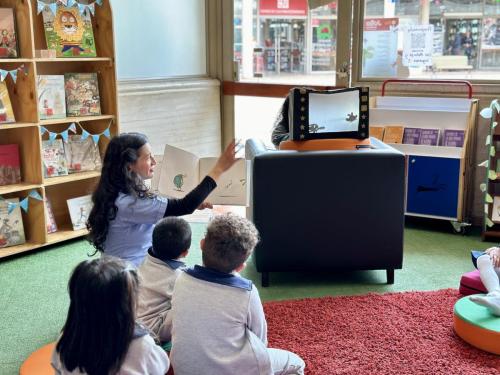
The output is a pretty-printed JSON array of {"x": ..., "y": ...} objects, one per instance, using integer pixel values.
[
  {"x": 438, "y": 177},
  {"x": 26, "y": 132}
]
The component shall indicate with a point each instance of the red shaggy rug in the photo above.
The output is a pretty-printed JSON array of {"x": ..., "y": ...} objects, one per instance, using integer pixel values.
[{"x": 395, "y": 333}]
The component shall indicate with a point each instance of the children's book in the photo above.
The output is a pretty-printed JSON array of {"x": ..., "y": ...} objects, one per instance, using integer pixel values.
[
  {"x": 11, "y": 225},
  {"x": 49, "y": 217},
  {"x": 54, "y": 161},
  {"x": 495, "y": 211},
  {"x": 377, "y": 132},
  {"x": 453, "y": 138},
  {"x": 6, "y": 111},
  {"x": 69, "y": 32},
  {"x": 181, "y": 171},
  {"x": 81, "y": 154},
  {"x": 429, "y": 137},
  {"x": 10, "y": 167},
  {"x": 82, "y": 94},
  {"x": 8, "y": 39},
  {"x": 393, "y": 134},
  {"x": 411, "y": 136},
  {"x": 79, "y": 210},
  {"x": 51, "y": 96}
]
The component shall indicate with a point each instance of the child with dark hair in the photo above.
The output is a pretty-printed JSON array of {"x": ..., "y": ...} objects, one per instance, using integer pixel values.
[
  {"x": 162, "y": 266},
  {"x": 219, "y": 325},
  {"x": 125, "y": 211},
  {"x": 281, "y": 127},
  {"x": 100, "y": 336}
]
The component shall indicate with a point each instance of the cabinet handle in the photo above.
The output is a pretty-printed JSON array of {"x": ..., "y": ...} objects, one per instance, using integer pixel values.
[{"x": 413, "y": 161}]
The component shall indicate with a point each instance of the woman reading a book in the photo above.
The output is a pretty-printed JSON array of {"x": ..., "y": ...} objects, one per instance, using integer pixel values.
[{"x": 124, "y": 210}]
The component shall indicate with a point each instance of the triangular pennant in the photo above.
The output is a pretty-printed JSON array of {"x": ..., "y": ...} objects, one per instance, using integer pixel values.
[
  {"x": 11, "y": 207},
  {"x": 486, "y": 209},
  {"x": 492, "y": 151},
  {"x": 72, "y": 128},
  {"x": 70, "y": 3},
  {"x": 95, "y": 138},
  {"x": 34, "y": 194},
  {"x": 52, "y": 136},
  {"x": 99, "y": 2},
  {"x": 81, "y": 8},
  {"x": 494, "y": 124},
  {"x": 64, "y": 135},
  {"x": 492, "y": 175},
  {"x": 3, "y": 74},
  {"x": 40, "y": 6},
  {"x": 43, "y": 130},
  {"x": 486, "y": 112},
  {"x": 91, "y": 7},
  {"x": 489, "y": 198},
  {"x": 488, "y": 140},
  {"x": 106, "y": 133},
  {"x": 53, "y": 8},
  {"x": 13, "y": 74},
  {"x": 489, "y": 223},
  {"x": 85, "y": 134},
  {"x": 24, "y": 204},
  {"x": 497, "y": 106},
  {"x": 484, "y": 164},
  {"x": 482, "y": 187}
]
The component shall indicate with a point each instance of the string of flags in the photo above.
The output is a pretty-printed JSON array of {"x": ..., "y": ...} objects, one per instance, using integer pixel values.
[
  {"x": 72, "y": 128},
  {"x": 83, "y": 8},
  {"x": 24, "y": 204},
  {"x": 13, "y": 73}
]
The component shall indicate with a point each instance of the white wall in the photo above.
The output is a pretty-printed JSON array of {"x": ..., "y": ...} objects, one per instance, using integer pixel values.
[{"x": 159, "y": 38}]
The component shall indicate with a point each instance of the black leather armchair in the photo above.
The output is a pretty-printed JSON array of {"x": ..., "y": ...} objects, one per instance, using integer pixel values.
[{"x": 327, "y": 210}]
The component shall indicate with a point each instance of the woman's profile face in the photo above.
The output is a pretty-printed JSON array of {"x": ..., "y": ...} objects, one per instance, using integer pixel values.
[{"x": 145, "y": 164}]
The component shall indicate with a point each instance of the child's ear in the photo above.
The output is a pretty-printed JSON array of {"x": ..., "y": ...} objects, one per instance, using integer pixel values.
[
  {"x": 184, "y": 254},
  {"x": 202, "y": 244},
  {"x": 241, "y": 267}
]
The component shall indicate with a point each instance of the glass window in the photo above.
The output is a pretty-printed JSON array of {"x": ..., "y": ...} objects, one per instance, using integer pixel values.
[
  {"x": 283, "y": 41},
  {"x": 431, "y": 39}
]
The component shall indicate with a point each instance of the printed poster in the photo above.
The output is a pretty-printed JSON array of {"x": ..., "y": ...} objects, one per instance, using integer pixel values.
[
  {"x": 380, "y": 47},
  {"x": 418, "y": 44}
]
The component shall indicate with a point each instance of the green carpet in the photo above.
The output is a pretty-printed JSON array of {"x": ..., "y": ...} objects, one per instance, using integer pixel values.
[{"x": 34, "y": 298}]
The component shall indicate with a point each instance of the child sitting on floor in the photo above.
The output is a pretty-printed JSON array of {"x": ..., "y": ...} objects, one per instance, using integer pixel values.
[
  {"x": 488, "y": 265},
  {"x": 171, "y": 242},
  {"x": 100, "y": 335},
  {"x": 219, "y": 325}
]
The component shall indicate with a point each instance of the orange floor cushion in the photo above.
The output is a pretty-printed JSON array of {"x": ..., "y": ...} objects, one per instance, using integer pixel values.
[{"x": 39, "y": 362}]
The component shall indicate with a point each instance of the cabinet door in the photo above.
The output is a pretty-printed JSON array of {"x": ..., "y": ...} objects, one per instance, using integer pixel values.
[{"x": 433, "y": 186}]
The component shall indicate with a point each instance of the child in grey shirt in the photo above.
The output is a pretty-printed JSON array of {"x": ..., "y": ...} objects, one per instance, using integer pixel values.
[
  {"x": 171, "y": 242},
  {"x": 219, "y": 327}
]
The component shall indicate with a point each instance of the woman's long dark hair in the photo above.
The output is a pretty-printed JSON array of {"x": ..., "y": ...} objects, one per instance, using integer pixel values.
[
  {"x": 116, "y": 177},
  {"x": 101, "y": 317}
]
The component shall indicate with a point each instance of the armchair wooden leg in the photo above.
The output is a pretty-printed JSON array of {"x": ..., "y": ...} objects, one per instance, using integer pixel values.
[
  {"x": 390, "y": 276},
  {"x": 265, "y": 279}
]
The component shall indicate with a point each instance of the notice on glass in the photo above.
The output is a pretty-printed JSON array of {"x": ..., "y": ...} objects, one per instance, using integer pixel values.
[
  {"x": 380, "y": 47},
  {"x": 418, "y": 43}
]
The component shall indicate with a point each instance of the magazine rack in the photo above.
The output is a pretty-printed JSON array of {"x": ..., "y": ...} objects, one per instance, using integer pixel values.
[
  {"x": 438, "y": 181},
  {"x": 26, "y": 132}
]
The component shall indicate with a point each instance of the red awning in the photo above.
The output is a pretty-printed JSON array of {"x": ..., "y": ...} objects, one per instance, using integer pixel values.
[{"x": 283, "y": 8}]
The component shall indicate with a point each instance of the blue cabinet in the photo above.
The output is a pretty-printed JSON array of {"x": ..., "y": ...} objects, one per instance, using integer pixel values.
[{"x": 433, "y": 184}]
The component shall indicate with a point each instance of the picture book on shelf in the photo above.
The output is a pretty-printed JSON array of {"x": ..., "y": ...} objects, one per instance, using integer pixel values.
[
  {"x": 69, "y": 32},
  {"x": 82, "y": 154},
  {"x": 10, "y": 167},
  {"x": 495, "y": 211},
  {"x": 377, "y": 132},
  {"x": 51, "y": 96},
  {"x": 6, "y": 111},
  {"x": 429, "y": 137},
  {"x": 54, "y": 161},
  {"x": 411, "y": 136},
  {"x": 184, "y": 171},
  {"x": 82, "y": 94},
  {"x": 453, "y": 138},
  {"x": 11, "y": 225},
  {"x": 393, "y": 134},
  {"x": 8, "y": 38},
  {"x": 49, "y": 217},
  {"x": 79, "y": 210}
]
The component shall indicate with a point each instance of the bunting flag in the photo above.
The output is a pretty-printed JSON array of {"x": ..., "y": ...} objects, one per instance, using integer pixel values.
[
  {"x": 492, "y": 175},
  {"x": 13, "y": 73},
  {"x": 489, "y": 223},
  {"x": 25, "y": 202},
  {"x": 72, "y": 128},
  {"x": 489, "y": 198},
  {"x": 488, "y": 140},
  {"x": 83, "y": 8}
]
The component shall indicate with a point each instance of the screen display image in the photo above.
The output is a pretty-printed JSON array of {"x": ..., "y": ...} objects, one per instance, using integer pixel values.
[{"x": 334, "y": 113}]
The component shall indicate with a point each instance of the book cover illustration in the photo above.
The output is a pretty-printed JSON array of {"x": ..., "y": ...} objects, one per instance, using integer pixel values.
[
  {"x": 181, "y": 171},
  {"x": 8, "y": 39},
  {"x": 10, "y": 167},
  {"x": 6, "y": 111},
  {"x": 54, "y": 160},
  {"x": 411, "y": 136},
  {"x": 49, "y": 217},
  {"x": 82, "y": 154},
  {"x": 82, "y": 94},
  {"x": 429, "y": 137},
  {"x": 79, "y": 210},
  {"x": 68, "y": 32},
  {"x": 453, "y": 138},
  {"x": 393, "y": 134},
  {"x": 377, "y": 132},
  {"x": 495, "y": 212},
  {"x": 11, "y": 225},
  {"x": 51, "y": 96}
]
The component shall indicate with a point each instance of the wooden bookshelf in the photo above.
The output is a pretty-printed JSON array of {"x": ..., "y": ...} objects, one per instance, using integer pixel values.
[{"x": 26, "y": 131}]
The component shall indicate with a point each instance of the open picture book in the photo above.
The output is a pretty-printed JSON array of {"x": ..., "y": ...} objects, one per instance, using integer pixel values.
[{"x": 181, "y": 171}]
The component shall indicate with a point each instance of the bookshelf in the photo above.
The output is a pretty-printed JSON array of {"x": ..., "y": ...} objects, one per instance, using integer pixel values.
[
  {"x": 26, "y": 132},
  {"x": 438, "y": 178}
]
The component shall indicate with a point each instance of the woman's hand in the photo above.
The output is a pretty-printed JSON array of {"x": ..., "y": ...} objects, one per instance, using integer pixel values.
[
  {"x": 226, "y": 160},
  {"x": 205, "y": 205}
]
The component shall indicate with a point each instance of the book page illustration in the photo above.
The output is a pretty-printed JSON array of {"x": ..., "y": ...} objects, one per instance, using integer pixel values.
[
  {"x": 79, "y": 210},
  {"x": 11, "y": 225}
]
